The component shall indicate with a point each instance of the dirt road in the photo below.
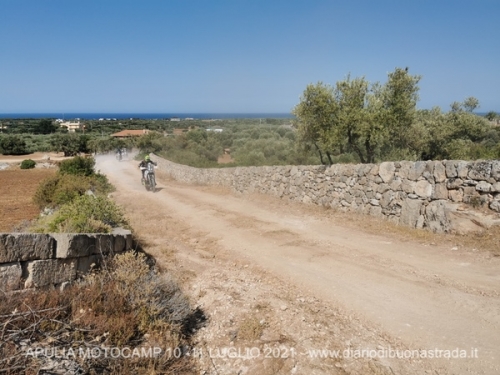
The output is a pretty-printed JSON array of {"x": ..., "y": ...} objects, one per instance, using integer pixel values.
[{"x": 311, "y": 281}]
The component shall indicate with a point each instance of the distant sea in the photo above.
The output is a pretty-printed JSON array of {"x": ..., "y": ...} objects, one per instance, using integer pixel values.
[{"x": 145, "y": 116}]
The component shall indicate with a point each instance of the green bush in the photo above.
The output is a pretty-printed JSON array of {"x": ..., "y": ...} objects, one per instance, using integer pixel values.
[
  {"x": 13, "y": 145},
  {"x": 77, "y": 166},
  {"x": 84, "y": 214},
  {"x": 28, "y": 164},
  {"x": 62, "y": 189}
]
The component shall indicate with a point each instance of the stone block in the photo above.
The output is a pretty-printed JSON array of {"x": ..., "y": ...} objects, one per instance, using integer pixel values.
[
  {"x": 10, "y": 276},
  {"x": 454, "y": 183},
  {"x": 450, "y": 168},
  {"x": 436, "y": 216},
  {"x": 440, "y": 192},
  {"x": 423, "y": 189},
  {"x": 416, "y": 170},
  {"x": 71, "y": 245},
  {"x": 104, "y": 244},
  {"x": 20, "y": 247},
  {"x": 495, "y": 170},
  {"x": 439, "y": 172},
  {"x": 386, "y": 171},
  {"x": 410, "y": 212},
  {"x": 495, "y": 188},
  {"x": 495, "y": 205},
  {"x": 463, "y": 169},
  {"x": 49, "y": 272},
  {"x": 480, "y": 170},
  {"x": 483, "y": 186},
  {"x": 456, "y": 195}
]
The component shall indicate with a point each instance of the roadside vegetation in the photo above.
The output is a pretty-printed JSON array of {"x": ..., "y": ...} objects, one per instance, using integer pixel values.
[
  {"x": 75, "y": 200},
  {"x": 121, "y": 319}
]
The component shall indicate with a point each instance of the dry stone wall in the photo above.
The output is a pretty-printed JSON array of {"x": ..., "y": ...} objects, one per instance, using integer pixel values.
[
  {"x": 423, "y": 194},
  {"x": 30, "y": 260}
]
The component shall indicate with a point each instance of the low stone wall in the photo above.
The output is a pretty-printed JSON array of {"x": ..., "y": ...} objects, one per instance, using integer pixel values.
[
  {"x": 39, "y": 260},
  {"x": 423, "y": 194}
]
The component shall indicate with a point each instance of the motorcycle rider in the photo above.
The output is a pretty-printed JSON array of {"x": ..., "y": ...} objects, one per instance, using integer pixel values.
[{"x": 143, "y": 165}]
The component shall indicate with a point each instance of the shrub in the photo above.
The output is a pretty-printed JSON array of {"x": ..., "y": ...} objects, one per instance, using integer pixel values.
[
  {"x": 77, "y": 166},
  {"x": 62, "y": 189},
  {"x": 28, "y": 164},
  {"x": 84, "y": 214},
  {"x": 115, "y": 307}
]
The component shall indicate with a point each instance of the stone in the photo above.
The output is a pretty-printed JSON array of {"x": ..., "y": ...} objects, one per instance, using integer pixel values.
[
  {"x": 404, "y": 169},
  {"x": 454, "y": 183},
  {"x": 495, "y": 170},
  {"x": 20, "y": 247},
  {"x": 440, "y": 192},
  {"x": 483, "y": 186},
  {"x": 417, "y": 170},
  {"x": 436, "y": 216},
  {"x": 386, "y": 198},
  {"x": 10, "y": 276},
  {"x": 480, "y": 170},
  {"x": 495, "y": 188},
  {"x": 456, "y": 195},
  {"x": 469, "y": 194},
  {"x": 462, "y": 169},
  {"x": 495, "y": 205},
  {"x": 50, "y": 272},
  {"x": 423, "y": 189},
  {"x": 386, "y": 171},
  {"x": 450, "y": 168},
  {"x": 374, "y": 202},
  {"x": 70, "y": 245},
  {"x": 439, "y": 172},
  {"x": 410, "y": 212}
]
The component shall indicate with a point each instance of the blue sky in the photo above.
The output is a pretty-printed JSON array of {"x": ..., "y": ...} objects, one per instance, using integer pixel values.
[{"x": 176, "y": 56}]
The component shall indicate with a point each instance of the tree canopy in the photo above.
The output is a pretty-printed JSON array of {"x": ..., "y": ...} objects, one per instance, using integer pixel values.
[{"x": 377, "y": 122}]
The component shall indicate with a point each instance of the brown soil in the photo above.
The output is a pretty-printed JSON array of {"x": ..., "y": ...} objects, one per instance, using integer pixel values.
[
  {"x": 278, "y": 280},
  {"x": 17, "y": 187}
]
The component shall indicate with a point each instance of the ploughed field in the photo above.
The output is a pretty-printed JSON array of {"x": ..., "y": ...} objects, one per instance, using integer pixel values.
[{"x": 17, "y": 187}]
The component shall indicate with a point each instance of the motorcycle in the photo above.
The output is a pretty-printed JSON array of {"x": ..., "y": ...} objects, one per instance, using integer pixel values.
[{"x": 149, "y": 179}]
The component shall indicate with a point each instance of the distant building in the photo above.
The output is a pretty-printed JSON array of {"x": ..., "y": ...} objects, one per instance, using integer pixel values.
[
  {"x": 216, "y": 130},
  {"x": 72, "y": 126},
  {"x": 130, "y": 133}
]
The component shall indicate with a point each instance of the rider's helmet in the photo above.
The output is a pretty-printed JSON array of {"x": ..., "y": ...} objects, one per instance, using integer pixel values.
[{"x": 147, "y": 158}]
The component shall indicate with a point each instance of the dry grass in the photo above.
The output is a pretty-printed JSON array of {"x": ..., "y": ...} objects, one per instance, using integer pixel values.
[
  {"x": 250, "y": 329},
  {"x": 126, "y": 305}
]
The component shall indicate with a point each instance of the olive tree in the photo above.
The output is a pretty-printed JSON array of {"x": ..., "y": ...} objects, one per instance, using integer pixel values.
[{"x": 358, "y": 117}]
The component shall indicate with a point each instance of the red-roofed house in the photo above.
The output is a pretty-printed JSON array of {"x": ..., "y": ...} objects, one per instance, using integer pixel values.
[{"x": 130, "y": 133}]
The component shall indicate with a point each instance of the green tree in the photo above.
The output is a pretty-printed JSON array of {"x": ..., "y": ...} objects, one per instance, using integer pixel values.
[
  {"x": 358, "y": 117},
  {"x": 70, "y": 144},
  {"x": 315, "y": 114},
  {"x": 400, "y": 97},
  {"x": 13, "y": 145},
  {"x": 45, "y": 126}
]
